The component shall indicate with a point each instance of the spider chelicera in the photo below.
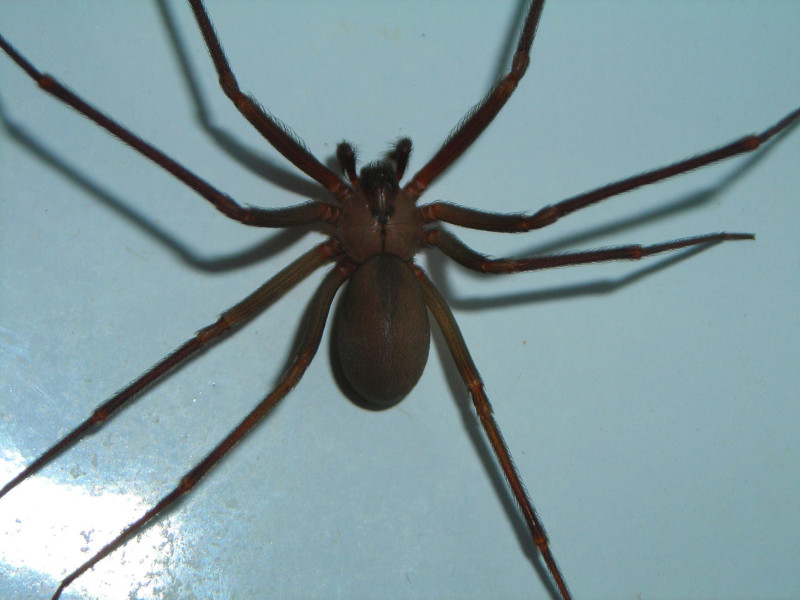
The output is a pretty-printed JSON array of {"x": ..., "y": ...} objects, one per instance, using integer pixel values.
[{"x": 452, "y": 249}]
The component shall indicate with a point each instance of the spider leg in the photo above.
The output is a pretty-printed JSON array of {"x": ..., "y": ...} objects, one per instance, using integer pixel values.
[
  {"x": 455, "y": 341},
  {"x": 479, "y": 117},
  {"x": 233, "y": 317},
  {"x": 300, "y": 214},
  {"x": 466, "y": 256},
  {"x": 314, "y": 325},
  {"x": 273, "y": 130},
  {"x": 511, "y": 223}
]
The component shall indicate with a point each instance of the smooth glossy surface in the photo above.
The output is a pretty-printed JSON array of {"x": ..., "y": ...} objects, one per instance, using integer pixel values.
[{"x": 667, "y": 467}]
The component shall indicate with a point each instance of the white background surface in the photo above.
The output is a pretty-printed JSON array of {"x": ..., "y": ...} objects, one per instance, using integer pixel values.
[{"x": 654, "y": 422}]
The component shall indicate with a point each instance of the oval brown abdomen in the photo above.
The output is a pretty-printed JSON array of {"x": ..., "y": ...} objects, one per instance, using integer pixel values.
[{"x": 383, "y": 331}]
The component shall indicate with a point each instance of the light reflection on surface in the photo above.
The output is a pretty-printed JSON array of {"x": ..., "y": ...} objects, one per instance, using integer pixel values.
[{"x": 49, "y": 528}]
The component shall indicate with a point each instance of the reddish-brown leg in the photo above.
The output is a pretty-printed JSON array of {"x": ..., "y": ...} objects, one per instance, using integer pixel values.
[
  {"x": 455, "y": 341},
  {"x": 276, "y": 134},
  {"x": 468, "y": 130},
  {"x": 510, "y": 223},
  {"x": 301, "y": 214},
  {"x": 314, "y": 325},
  {"x": 231, "y": 318},
  {"x": 464, "y": 255}
]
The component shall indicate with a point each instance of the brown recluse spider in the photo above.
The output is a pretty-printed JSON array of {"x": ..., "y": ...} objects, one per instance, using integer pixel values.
[{"x": 354, "y": 260}]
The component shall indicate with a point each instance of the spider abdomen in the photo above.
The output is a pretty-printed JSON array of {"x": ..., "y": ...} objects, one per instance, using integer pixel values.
[{"x": 383, "y": 331}]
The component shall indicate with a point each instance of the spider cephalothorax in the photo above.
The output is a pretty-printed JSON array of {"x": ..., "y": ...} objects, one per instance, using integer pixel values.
[{"x": 378, "y": 216}]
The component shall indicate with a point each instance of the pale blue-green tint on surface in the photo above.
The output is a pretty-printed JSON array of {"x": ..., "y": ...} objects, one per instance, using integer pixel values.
[{"x": 652, "y": 408}]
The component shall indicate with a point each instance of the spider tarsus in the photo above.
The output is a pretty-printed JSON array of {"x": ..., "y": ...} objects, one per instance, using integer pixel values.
[
  {"x": 61, "y": 588},
  {"x": 738, "y": 236},
  {"x": 400, "y": 154},
  {"x": 347, "y": 155}
]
